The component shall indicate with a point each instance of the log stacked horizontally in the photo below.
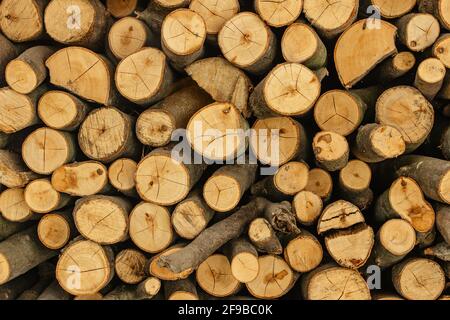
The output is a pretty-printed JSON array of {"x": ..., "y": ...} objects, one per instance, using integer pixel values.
[{"x": 199, "y": 149}]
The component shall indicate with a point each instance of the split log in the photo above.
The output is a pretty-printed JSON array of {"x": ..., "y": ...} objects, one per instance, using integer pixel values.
[
  {"x": 103, "y": 219},
  {"x": 157, "y": 10},
  {"x": 18, "y": 111},
  {"x": 248, "y": 43},
  {"x": 121, "y": 176},
  {"x": 214, "y": 276},
  {"x": 443, "y": 221},
  {"x": 13, "y": 172},
  {"x": 396, "y": 66},
  {"x": 83, "y": 72},
  {"x": 21, "y": 253},
  {"x": 278, "y": 140},
  {"x": 417, "y": 115},
  {"x": 150, "y": 227},
  {"x": 46, "y": 149},
  {"x": 295, "y": 95},
  {"x": 354, "y": 184},
  {"x": 290, "y": 179},
  {"x": 441, "y": 49},
  {"x": 430, "y": 77},
  {"x": 180, "y": 290},
  {"x": 129, "y": 35},
  {"x": 170, "y": 186},
  {"x": 130, "y": 266},
  {"x": 243, "y": 259},
  {"x": 54, "y": 292},
  {"x": 41, "y": 197},
  {"x": 215, "y": 14},
  {"x": 8, "y": 53},
  {"x": 77, "y": 22},
  {"x": 303, "y": 252},
  {"x": 22, "y": 21},
  {"x": 183, "y": 34},
  {"x": 191, "y": 216},
  {"x": 217, "y": 132},
  {"x": 144, "y": 77},
  {"x": 222, "y": 81},
  {"x": 301, "y": 44},
  {"x": 8, "y": 228},
  {"x": 320, "y": 183},
  {"x": 330, "y": 282},
  {"x": 164, "y": 273},
  {"x": 85, "y": 267},
  {"x": 354, "y": 62},
  {"x": 279, "y": 14},
  {"x": 61, "y": 111},
  {"x": 46, "y": 272},
  {"x": 55, "y": 230},
  {"x": 225, "y": 187},
  {"x": 440, "y": 251},
  {"x": 438, "y": 8},
  {"x": 13, "y": 206},
  {"x": 432, "y": 175},
  {"x": 275, "y": 278},
  {"x": 418, "y": 279},
  {"x": 331, "y": 150},
  {"x": 339, "y": 215},
  {"x": 81, "y": 178},
  {"x": 346, "y": 114},
  {"x": 26, "y": 72},
  {"x": 331, "y": 20},
  {"x": 418, "y": 31},
  {"x": 12, "y": 289},
  {"x": 120, "y": 9},
  {"x": 263, "y": 237},
  {"x": 107, "y": 134},
  {"x": 156, "y": 125},
  {"x": 307, "y": 207},
  {"x": 389, "y": 9},
  {"x": 404, "y": 199},
  {"x": 376, "y": 143}
]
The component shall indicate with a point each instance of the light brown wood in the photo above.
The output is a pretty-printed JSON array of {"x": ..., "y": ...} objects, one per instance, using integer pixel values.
[
  {"x": 304, "y": 252},
  {"x": 150, "y": 227},
  {"x": 121, "y": 176},
  {"x": 320, "y": 183},
  {"x": 121, "y": 8},
  {"x": 391, "y": 9},
  {"x": 214, "y": 276},
  {"x": 430, "y": 77},
  {"x": 217, "y": 132},
  {"x": 85, "y": 267},
  {"x": 339, "y": 215},
  {"x": 279, "y": 13},
  {"x": 354, "y": 62},
  {"x": 243, "y": 259},
  {"x": 130, "y": 266},
  {"x": 441, "y": 49},
  {"x": 263, "y": 237},
  {"x": 275, "y": 278},
  {"x": 339, "y": 111},
  {"x": 330, "y": 20},
  {"x": 301, "y": 44},
  {"x": 248, "y": 43},
  {"x": 331, "y": 150},
  {"x": 419, "y": 279},
  {"x": 81, "y": 178},
  {"x": 56, "y": 229},
  {"x": 407, "y": 110},
  {"x": 396, "y": 66},
  {"x": 26, "y": 72},
  {"x": 165, "y": 180},
  {"x": 13, "y": 206},
  {"x": 61, "y": 111},
  {"x": 215, "y": 13},
  {"x": 331, "y": 282},
  {"x": 278, "y": 140},
  {"x": 77, "y": 22},
  {"x": 307, "y": 207},
  {"x": 183, "y": 34},
  {"x": 289, "y": 89},
  {"x": 103, "y": 219},
  {"x": 45, "y": 149},
  {"x": 184, "y": 289},
  {"x": 418, "y": 31},
  {"x": 106, "y": 134},
  {"x": 13, "y": 171},
  {"x": 22, "y": 20},
  {"x": 354, "y": 184},
  {"x": 144, "y": 77},
  {"x": 191, "y": 216},
  {"x": 165, "y": 273},
  {"x": 41, "y": 197},
  {"x": 438, "y": 8}
]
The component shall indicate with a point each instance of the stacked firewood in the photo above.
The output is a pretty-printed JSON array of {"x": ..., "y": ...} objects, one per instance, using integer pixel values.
[{"x": 200, "y": 149}]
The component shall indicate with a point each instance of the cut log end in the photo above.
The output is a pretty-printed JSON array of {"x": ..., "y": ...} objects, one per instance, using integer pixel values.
[
  {"x": 130, "y": 267},
  {"x": 320, "y": 183},
  {"x": 397, "y": 236},
  {"x": 412, "y": 34},
  {"x": 121, "y": 175},
  {"x": 291, "y": 178},
  {"x": 22, "y": 20},
  {"x": 13, "y": 206},
  {"x": 356, "y": 175},
  {"x": 392, "y": 9},
  {"x": 215, "y": 14},
  {"x": 41, "y": 197},
  {"x": 279, "y": 14},
  {"x": 122, "y": 8},
  {"x": 441, "y": 49},
  {"x": 54, "y": 231},
  {"x": 339, "y": 215},
  {"x": 430, "y": 77},
  {"x": 19, "y": 111},
  {"x": 307, "y": 207},
  {"x": 331, "y": 150},
  {"x": 303, "y": 253}
]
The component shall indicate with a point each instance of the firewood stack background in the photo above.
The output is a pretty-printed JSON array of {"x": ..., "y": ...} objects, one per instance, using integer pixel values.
[{"x": 347, "y": 100}]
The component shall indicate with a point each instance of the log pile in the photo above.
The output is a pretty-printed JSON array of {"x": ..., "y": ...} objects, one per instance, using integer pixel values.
[{"x": 199, "y": 149}]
